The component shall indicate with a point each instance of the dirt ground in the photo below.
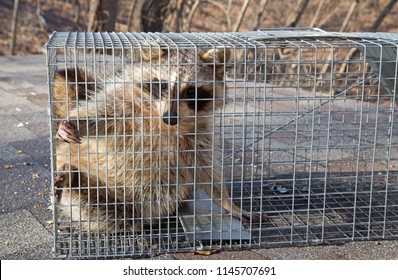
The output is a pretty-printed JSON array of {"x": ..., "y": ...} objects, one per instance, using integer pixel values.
[{"x": 60, "y": 15}]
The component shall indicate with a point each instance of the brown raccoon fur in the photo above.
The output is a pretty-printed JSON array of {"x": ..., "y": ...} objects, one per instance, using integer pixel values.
[{"x": 150, "y": 144}]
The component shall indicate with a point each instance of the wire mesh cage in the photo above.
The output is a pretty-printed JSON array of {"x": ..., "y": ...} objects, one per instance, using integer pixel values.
[{"x": 174, "y": 142}]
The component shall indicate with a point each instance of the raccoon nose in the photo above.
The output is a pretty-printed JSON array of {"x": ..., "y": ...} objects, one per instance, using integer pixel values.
[{"x": 170, "y": 119}]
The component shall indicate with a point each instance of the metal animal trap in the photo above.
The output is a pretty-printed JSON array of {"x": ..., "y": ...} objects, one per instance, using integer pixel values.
[{"x": 174, "y": 142}]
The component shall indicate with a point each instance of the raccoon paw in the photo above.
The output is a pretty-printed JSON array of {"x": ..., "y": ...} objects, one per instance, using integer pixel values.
[
  {"x": 143, "y": 243},
  {"x": 62, "y": 177},
  {"x": 58, "y": 180},
  {"x": 67, "y": 133},
  {"x": 59, "y": 184}
]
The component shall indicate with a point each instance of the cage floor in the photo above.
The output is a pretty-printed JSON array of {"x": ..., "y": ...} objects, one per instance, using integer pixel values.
[{"x": 300, "y": 211}]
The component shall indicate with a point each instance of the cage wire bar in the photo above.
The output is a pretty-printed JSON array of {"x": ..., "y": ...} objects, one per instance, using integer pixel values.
[{"x": 300, "y": 124}]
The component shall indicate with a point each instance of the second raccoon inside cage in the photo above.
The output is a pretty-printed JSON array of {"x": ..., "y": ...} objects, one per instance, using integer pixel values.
[{"x": 148, "y": 140}]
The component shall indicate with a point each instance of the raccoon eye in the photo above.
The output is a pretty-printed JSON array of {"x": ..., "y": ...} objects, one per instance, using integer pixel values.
[
  {"x": 202, "y": 99},
  {"x": 190, "y": 92},
  {"x": 164, "y": 87}
]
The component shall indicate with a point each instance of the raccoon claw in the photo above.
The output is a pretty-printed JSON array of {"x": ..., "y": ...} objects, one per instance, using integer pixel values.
[{"x": 67, "y": 133}]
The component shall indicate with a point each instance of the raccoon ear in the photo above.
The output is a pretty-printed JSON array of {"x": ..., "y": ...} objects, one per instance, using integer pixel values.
[
  {"x": 220, "y": 55},
  {"x": 153, "y": 54}
]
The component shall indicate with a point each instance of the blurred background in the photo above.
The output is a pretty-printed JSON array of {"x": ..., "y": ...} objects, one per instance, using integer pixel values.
[{"x": 26, "y": 24}]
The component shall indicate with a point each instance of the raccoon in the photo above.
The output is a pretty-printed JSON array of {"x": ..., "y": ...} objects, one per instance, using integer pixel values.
[{"x": 150, "y": 144}]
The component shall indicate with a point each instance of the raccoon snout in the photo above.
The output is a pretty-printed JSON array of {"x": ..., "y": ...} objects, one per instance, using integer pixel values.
[{"x": 170, "y": 119}]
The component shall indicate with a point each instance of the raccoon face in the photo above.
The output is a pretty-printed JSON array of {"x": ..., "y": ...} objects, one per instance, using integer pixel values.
[
  {"x": 183, "y": 87},
  {"x": 183, "y": 101}
]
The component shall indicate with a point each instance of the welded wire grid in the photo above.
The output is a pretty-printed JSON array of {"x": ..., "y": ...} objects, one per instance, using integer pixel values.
[{"x": 307, "y": 135}]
